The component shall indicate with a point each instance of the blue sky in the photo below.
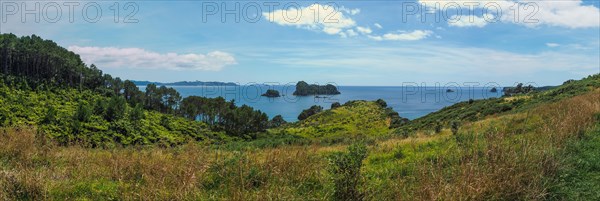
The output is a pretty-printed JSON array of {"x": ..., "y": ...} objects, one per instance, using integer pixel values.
[{"x": 377, "y": 43}]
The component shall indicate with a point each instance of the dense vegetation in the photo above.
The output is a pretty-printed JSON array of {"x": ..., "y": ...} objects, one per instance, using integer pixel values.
[
  {"x": 353, "y": 119},
  {"x": 43, "y": 62},
  {"x": 44, "y": 84},
  {"x": 309, "y": 112},
  {"x": 519, "y": 89},
  {"x": 271, "y": 93},
  {"x": 224, "y": 115},
  {"x": 304, "y": 89},
  {"x": 71, "y": 116}
]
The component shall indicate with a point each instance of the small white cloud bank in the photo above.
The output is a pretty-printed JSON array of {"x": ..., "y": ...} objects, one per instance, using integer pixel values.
[
  {"x": 403, "y": 36},
  {"x": 325, "y": 18},
  {"x": 568, "y": 13},
  {"x": 336, "y": 21},
  {"x": 552, "y": 44},
  {"x": 350, "y": 11},
  {"x": 364, "y": 30},
  {"x": 137, "y": 58}
]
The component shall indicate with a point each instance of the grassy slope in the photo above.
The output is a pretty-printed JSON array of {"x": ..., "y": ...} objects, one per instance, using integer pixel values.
[
  {"x": 359, "y": 118},
  {"x": 579, "y": 178},
  {"x": 480, "y": 109},
  {"x": 519, "y": 155},
  {"x": 512, "y": 156}
]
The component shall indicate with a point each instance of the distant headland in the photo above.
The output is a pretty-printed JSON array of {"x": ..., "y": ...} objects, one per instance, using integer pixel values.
[{"x": 185, "y": 83}]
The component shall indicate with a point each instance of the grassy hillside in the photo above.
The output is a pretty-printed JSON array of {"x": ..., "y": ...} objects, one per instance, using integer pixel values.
[
  {"x": 76, "y": 104},
  {"x": 546, "y": 151},
  {"x": 358, "y": 118},
  {"x": 48, "y": 87},
  {"x": 54, "y": 113},
  {"x": 579, "y": 177},
  {"x": 469, "y": 111}
]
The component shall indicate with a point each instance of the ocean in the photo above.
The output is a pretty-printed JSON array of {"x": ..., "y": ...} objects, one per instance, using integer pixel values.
[{"x": 409, "y": 101}]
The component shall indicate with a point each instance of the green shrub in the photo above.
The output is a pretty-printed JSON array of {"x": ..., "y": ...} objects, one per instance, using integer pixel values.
[
  {"x": 83, "y": 112},
  {"x": 165, "y": 121},
  {"x": 50, "y": 116},
  {"x": 345, "y": 171},
  {"x": 438, "y": 127},
  {"x": 310, "y": 112},
  {"x": 381, "y": 103},
  {"x": 454, "y": 127},
  {"x": 100, "y": 107},
  {"x": 277, "y": 121},
  {"x": 137, "y": 114},
  {"x": 116, "y": 108}
]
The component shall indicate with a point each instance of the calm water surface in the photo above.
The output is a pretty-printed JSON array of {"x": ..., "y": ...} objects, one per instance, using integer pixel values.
[{"x": 411, "y": 102}]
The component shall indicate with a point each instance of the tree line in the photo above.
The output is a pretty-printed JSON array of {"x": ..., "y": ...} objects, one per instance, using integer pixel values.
[
  {"x": 43, "y": 64},
  {"x": 519, "y": 89}
]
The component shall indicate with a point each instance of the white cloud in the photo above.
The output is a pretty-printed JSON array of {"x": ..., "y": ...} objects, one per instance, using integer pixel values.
[
  {"x": 404, "y": 36},
  {"x": 350, "y": 11},
  {"x": 469, "y": 20},
  {"x": 315, "y": 17},
  {"x": 335, "y": 21},
  {"x": 364, "y": 30},
  {"x": 552, "y": 44},
  {"x": 351, "y": 32},
  {"x": 571, "y": 13},
  {"x": 112, "y": 57},
  {"x": 567, "y": 14}
]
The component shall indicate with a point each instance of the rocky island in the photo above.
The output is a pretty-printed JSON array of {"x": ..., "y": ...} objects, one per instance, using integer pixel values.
[
  {"x": 304, "y": 89},
  {"x": 271, "y": 93}
]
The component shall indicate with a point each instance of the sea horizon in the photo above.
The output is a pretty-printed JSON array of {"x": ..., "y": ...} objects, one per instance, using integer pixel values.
[{"x": 410, "y": 102}]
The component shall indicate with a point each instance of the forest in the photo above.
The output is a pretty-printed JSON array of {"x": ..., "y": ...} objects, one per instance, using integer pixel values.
[{"x": 106, "y": 108}]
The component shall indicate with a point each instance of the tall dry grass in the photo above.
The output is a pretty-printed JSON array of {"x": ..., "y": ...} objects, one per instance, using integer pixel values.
[
  {"x": 32, "y": 168},
  {"x": 510, "y": 159}
]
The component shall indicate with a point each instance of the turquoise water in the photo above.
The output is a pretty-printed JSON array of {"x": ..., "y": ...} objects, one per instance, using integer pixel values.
[{"x": 410, "y": 102}]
